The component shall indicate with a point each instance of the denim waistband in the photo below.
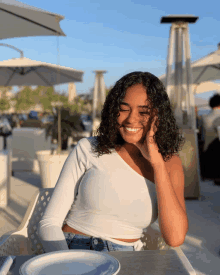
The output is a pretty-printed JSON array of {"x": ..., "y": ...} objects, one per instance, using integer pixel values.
[
  {"x": 138, "y": 245},
  {"x": 96, "y": 237},
  {"x": 79, "y": 234}
]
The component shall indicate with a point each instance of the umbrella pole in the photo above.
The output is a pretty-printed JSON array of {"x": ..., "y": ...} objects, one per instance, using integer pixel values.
[
  {"x": 59, "y": 133},
  {"x": 59, "y": 149}
]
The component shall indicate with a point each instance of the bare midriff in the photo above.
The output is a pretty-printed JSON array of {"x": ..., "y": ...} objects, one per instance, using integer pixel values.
[{"x": 68, "y": 229}]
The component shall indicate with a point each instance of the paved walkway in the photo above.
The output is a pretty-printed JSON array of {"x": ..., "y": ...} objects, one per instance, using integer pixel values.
[{"x": 202, "y": 243}]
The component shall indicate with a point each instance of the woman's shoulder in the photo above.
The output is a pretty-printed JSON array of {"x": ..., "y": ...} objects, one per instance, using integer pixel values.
[{"x": 86, "y": 143}]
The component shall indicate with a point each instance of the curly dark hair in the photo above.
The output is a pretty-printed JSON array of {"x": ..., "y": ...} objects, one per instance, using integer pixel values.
[
  {"x": 214, "y": 101},
  {"x": 168, "y": 136}
]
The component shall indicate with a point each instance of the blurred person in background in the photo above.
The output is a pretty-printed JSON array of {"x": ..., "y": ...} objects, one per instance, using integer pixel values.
[
  {"x": 207, "y": 120},
  {"x": 5, "y": 130},
  {"x": 200, "y": 133},
  {"x": 15, "y": 121},
  {"x": 210, "y": 161}
]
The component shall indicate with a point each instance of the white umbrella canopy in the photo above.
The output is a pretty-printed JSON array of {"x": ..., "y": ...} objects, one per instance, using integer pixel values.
[
  {"x": 27, "y": 72},
  {"x": 204, "y": 69},
  {"x": 205, "y": 87},
  {"x": 21, "y": 20},
  {"x": 201, "y": 88}
]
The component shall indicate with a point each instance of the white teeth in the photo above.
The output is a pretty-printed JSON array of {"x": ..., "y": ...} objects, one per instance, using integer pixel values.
[{"x": 132, "y": 129}]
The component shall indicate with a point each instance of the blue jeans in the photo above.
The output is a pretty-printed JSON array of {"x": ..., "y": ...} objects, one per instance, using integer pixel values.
[{"x": 75, "y": 241}]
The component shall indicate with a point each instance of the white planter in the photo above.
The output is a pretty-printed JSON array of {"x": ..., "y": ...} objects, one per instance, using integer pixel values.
[
  {"x": 5, "y": 175},
  {"x": 50, "y": 167},
  {"x": 1, "y": 143}
]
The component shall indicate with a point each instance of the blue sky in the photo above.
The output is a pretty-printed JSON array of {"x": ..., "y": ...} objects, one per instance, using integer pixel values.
[{"x": 118, "y": 36}]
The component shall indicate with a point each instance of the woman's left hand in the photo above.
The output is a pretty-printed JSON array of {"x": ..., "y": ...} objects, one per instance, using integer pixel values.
[{"x": 149, "y": 148}]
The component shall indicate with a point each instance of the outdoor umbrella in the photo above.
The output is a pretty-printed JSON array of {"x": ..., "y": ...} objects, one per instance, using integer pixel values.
[
  {"x": 20, "y": 20},
  {"x": 204, "y": 69},
  {"x": 202, "y": 87},
  {"x": 27, "y": 72},
  {"x": 205, "y": 87}
]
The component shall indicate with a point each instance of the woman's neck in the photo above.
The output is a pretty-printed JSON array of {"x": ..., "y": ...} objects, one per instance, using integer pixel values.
[{"x": 130, "y": 149}]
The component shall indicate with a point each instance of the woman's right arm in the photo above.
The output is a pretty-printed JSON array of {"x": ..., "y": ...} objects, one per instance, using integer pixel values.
[{"x": 50, "y": 225}]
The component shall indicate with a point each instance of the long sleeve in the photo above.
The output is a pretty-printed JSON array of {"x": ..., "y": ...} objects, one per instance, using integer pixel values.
[{"x": 50, "y": 226}]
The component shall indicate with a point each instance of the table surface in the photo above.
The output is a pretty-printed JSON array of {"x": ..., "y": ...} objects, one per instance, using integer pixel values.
[{"x": 158, "y": 262}]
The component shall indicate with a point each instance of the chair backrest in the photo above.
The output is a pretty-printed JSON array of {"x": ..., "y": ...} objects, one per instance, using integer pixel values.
[{"x": 38, "y": 211}]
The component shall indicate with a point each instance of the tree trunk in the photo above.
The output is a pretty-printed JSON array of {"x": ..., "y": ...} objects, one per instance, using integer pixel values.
[{"x": 64, "y": 142}]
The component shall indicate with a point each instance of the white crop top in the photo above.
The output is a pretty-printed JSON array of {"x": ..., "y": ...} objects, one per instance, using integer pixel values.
[{"x": 102, "y": 197}]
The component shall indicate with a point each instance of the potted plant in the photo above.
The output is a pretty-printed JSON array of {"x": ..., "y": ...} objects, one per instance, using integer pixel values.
[{"x": 65, "y": 125}]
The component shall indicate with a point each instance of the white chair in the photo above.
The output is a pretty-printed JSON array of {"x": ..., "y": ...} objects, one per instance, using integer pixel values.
[{"x": 25, "y": 240}]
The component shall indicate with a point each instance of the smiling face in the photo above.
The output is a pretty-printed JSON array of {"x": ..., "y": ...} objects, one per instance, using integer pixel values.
[{"x": 134, "y": 114}]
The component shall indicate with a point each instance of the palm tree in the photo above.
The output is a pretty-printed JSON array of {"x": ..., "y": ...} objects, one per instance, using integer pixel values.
[{"x": 71, "y": 124}]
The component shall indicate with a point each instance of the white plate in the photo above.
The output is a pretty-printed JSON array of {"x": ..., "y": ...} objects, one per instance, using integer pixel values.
[{"x": 71, "y": 262}]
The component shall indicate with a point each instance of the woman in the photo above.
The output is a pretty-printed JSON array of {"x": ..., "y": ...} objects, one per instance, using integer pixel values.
[{"x": 113, "y": 185}]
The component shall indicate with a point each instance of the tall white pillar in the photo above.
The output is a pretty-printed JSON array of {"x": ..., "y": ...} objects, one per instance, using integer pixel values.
[
  {"x": 98, "y": 95},
  {"x": 71, "y": 91}
]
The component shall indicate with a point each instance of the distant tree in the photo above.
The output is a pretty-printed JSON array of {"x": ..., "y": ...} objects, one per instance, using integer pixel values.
[
  {"x": 46, "y": 104},
  {"x": 4, "y": 100},
  {"x": 63, "y": 98},
  {"x": 24, "y": 99},
  {"x": 78, "y": 105},
  {"x": 4, "y": 104},
  {"x": 28, "y": 98},
  {"x": 47, "y": 96},
  {"x": 50, "y": 92}
]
